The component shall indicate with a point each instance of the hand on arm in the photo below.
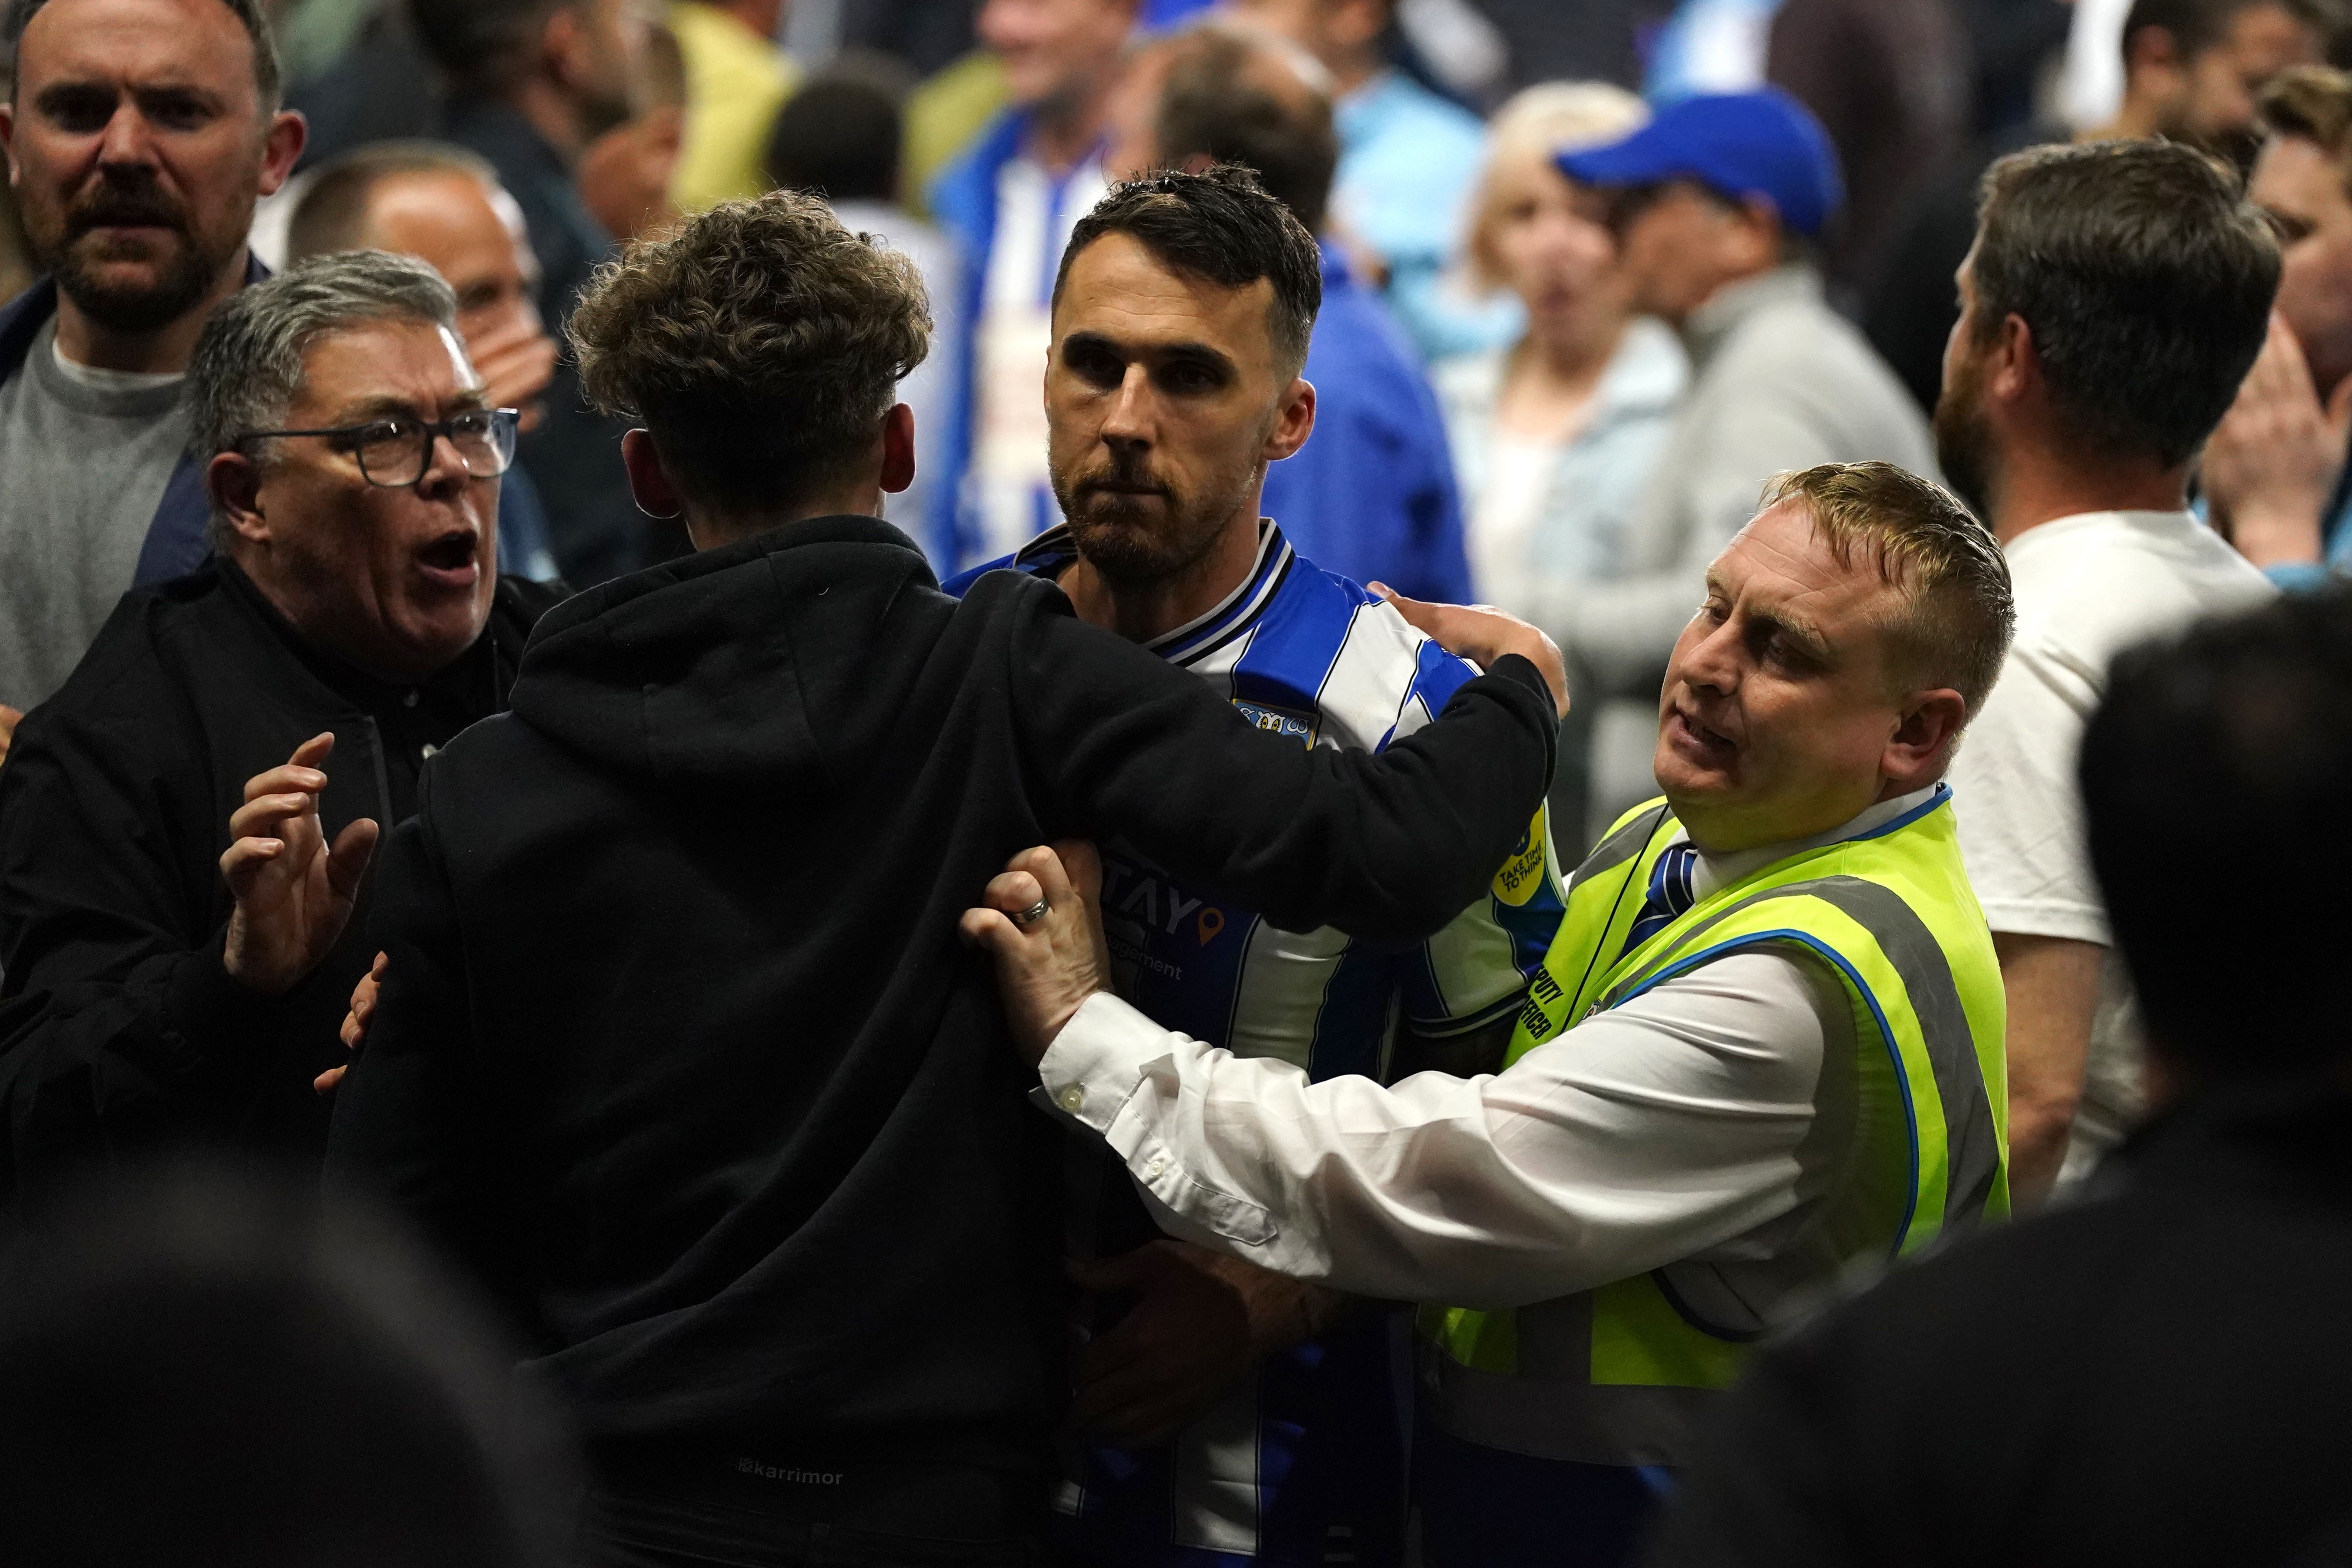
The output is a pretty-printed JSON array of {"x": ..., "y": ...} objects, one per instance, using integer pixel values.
[
  {"x": 2273, "y": 462},
  {"x": 1045, "y": 967},
  {"x": 1200, "y": 1322},
  {"x": 294, "y": 892},
  {"x": 9, "y": 719},
  {"x": 1482, "y": 634},
  {"x": 2053, "y": 984}
]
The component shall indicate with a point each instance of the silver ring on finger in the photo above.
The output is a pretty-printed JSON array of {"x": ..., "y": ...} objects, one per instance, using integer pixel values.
[{"x": 1033, "y": 914}]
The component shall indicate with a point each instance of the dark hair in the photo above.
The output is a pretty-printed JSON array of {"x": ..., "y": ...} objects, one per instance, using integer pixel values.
[
  {"x": 2219, "y": 764},
  {"x": 2196, "y": 26},
  {"x": 333, "y": 210},
  {"x": 1217, "y": 103},
  {"x": 761, "y": 345},
  {"x": 2312, "y": 103},
  {"x": 2145, "y": 277},
  {"x": 205, "y": 1368},
  {"x": 267, "y": 83},
  {"x": 1222, "y": 225},
  {"x": 838, "y": 138},
  {"x": 483, "y": 45}
]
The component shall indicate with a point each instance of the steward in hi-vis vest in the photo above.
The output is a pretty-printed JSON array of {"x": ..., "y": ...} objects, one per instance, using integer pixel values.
[
  {"x": 1614, "y": 1376},
  {"x": 1763, "y": 1055}
]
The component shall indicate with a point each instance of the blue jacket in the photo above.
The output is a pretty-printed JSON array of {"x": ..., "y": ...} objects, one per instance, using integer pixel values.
[
  {"x": 1371, "y": 497},
  {"x": 963, "y": 202},
  {"x": 175, "y": 535}
]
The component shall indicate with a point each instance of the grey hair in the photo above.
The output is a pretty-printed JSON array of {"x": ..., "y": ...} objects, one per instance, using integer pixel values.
[{"x": 247, "y": 364}]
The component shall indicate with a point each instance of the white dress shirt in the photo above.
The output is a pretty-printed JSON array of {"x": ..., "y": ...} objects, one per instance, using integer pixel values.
[{"x": 1682, "y": 1125}]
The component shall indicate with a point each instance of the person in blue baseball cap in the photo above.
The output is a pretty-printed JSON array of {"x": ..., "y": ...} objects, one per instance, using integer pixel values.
[{"x": 1716, "y": 205}]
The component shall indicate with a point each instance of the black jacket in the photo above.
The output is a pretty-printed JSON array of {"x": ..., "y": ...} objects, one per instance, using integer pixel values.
[
  {"x": 2158, "y": 1377},
  {"x": 121, "y": 1027},
  {"x": 679, "y": 1047}
]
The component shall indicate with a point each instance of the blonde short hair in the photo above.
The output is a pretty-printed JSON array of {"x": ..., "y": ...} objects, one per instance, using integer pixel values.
[
  {"x": 1923, "y": 542},
  {"x": 1543, "y": 120}
]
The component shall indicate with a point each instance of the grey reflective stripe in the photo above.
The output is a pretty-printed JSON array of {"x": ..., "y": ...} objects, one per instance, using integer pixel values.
[
  {"x": 1622, "y": 845},
  {"x": 1972, "y": 1146},
  {"x": 1563, "y": 1418}
]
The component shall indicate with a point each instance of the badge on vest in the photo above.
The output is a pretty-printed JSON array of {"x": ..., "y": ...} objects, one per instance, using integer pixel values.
[{"x": 1290, "y": 725}]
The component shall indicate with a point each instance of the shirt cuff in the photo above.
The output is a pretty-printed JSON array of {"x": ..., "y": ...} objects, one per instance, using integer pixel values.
[
  {"x": 1092, "y": 1068},
  {"x": 207, "y": 1007}
]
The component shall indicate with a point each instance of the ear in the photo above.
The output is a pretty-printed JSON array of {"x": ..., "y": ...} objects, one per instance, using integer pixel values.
[
  {"x": 281, "y": 148},
  {"x": 1756, "y": 234},
  {"x": 649, "y": 484},
  {"x": 897, "y": 449},
  {"x": 2151, "y": 49},
  {"x": 1293, "y": 422},
  {"x": 1921, "y": 747},
  {"x": 2016, "y": 367},
  {"x": 232, "y": 481},
  {"x": 8, "y": 137},
  {"x": 559, "y": 44}
]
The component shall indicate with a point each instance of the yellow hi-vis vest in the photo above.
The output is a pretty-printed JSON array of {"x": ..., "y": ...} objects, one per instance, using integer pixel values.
[{"x": 1617, "y": 1374}]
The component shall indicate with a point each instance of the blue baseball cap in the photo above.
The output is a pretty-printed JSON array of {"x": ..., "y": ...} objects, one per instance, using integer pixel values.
[{"x": 1737, "y": 144}]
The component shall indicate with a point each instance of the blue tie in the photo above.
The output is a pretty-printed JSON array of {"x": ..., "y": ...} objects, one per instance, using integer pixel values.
[{"x": 1670, "y": 895}]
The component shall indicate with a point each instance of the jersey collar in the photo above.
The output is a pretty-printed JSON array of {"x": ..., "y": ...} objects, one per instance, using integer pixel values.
[{"x": 1051, "y": 553}]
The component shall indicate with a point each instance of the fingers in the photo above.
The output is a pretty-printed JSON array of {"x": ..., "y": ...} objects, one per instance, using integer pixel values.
[
  {"x": 1013, "y": 891},
  {"x": 1053, "y": 876},
  {"x": 262, "y": 816},
  {"x": 1082, "y": 863},
  {"x": 989, "y": 932},
  {"x": 242, "y": 861},
  {"x": 325, "y": 1082},
  {"x": 314, "y": 751},
  {"x": 347, "y": 861}
]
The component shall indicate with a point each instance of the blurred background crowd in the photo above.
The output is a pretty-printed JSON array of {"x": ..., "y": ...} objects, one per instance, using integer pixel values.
[{"x": 1525, "y": 397}]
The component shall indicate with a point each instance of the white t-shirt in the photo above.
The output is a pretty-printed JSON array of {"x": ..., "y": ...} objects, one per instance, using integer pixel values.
[
  {"x": 2088, "y": 587},
  {"x": 1510, "y": 508}
]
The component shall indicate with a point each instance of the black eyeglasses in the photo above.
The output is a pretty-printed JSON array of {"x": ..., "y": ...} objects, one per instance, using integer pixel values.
[{"x": 393, "y": 452}]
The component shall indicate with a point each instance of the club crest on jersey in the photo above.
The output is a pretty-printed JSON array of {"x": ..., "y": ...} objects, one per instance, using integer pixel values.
[{"x": 1296, "y": 726}]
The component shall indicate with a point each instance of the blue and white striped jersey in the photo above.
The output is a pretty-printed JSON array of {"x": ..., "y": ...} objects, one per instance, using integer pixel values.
[{"x": 1298, "y": 1466}]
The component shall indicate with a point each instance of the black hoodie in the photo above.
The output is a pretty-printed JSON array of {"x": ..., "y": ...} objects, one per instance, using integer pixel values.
[{"x": 679, "y": 1047}]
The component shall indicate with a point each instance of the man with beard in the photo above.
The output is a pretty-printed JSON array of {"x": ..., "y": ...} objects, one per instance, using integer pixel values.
[
  {"x": 184, "y": 825},
  {"x": 1239, "y": 1415},
  {"x": 532, "y": 84},
  {"x": 140, "y": 133},
  {"x": 2114, "y": 299}
]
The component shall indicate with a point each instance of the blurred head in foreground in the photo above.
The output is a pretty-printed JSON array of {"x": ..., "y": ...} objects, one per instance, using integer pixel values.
[{"x": 200, "y": 1368}]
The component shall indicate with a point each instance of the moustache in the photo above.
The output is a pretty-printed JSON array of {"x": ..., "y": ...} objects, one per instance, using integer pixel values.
[{"x": 111, "y": 208}]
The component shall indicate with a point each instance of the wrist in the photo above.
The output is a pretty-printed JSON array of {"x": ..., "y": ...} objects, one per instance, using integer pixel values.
[{"x": 2277, "y": 533}]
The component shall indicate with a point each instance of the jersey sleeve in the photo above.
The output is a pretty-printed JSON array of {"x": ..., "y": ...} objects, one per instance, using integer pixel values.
[{"x": 1476, "y": 969}]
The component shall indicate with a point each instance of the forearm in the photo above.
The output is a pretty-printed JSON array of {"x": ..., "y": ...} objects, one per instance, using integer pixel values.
[
  {"x": 1390, "y": 847},
  {"x": 2052, "y": 986},
  {"x": 1587, "y": 1163}
]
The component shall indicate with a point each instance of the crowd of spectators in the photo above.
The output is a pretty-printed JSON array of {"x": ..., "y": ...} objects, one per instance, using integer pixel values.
[{"x": 365, "y": 374}]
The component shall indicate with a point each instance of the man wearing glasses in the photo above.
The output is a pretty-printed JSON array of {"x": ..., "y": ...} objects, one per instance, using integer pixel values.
[{"x": 184, "y": 827}]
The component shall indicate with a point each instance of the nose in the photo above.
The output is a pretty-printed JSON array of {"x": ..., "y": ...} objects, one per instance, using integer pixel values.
[
  {"x": 1715, "y": 661},
  {"x": 1127, "y": 423},
  {"x": 128, "y": 141},
  {"x": 446, "y": 476}
]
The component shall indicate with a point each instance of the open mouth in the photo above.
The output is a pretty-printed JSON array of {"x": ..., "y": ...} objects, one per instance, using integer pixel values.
[
  {"x": 1711, "y": 741},
  {"x": 453, "y": 558}
]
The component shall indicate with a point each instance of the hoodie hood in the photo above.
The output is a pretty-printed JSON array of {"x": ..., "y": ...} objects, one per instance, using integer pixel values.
[{"x": 688, "y": 672}]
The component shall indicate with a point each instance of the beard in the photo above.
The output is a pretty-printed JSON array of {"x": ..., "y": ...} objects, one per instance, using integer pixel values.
[
  {"x": 1963, "y": 443},
  {"x": 74, "y": 247},
  {"x": 1134, "y": 527}
]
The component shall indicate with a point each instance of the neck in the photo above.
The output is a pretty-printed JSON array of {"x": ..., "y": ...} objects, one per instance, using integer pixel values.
[
  {"x": 1352, "y": 70},
  {"x": 554, "y": 115},
  {"x": 1574, "y": 356},
  {"x": 1141, "y": 611},
  {"x": 162, "y": 351},
  {"x": 1064, "y": 127},
  {"x": 2139, "y": 119},
  {"x": 2035, "y": 488},
  {"x": 712, "y": 531}
]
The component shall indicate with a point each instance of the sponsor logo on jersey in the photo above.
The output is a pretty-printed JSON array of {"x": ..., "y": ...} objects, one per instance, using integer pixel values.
[
  {"x": 1299, "y": 727},
  {"x": 1523, "y": 873}
]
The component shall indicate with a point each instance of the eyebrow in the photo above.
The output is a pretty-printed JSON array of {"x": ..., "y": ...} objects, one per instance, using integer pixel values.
[
  {"x": 461, "y": 401},
  {"x": 1179, "y": 351},
  {"x": 1804, "y": 632}
]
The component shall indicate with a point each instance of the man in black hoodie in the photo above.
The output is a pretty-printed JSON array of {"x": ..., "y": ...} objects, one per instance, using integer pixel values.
[{"x": 678, "y": 1046}]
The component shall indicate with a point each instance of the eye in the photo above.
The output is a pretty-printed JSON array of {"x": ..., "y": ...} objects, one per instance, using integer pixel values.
[
  {"x": 78, "y": 109},
  {"x": 173, "y": 110},
  {"x": 376, "y": 433},
  {"x": 473, "y": 422}
]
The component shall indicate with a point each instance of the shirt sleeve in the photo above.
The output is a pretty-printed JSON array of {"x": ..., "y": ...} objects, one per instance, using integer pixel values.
[
  {"x": 1648, "y": 1135},
  {"x": 2016, "y": 804}
]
